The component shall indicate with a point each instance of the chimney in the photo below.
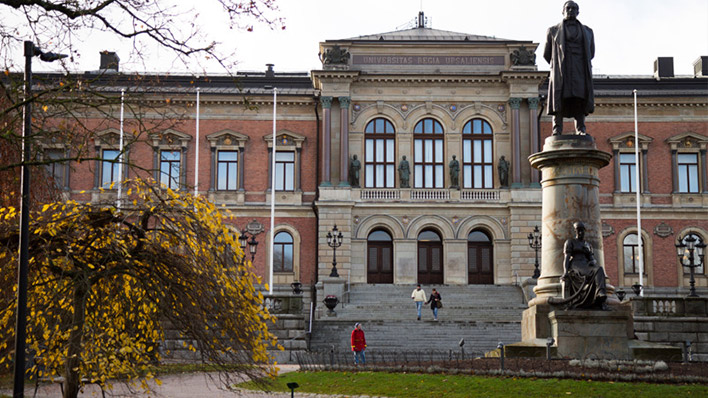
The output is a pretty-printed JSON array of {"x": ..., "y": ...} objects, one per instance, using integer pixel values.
[
  {"x": 664, "y": 67},
  {"x": 109, "y": 61},
  {"x": 700, "y": 67},
  {"x": 270, "y": 72}
]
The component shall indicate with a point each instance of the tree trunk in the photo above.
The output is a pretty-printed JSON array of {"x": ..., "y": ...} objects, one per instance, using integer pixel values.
[{"x": 73, "y": 378}]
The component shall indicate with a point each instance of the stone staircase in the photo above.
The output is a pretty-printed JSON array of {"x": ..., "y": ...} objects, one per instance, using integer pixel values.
[{"x": 482, "y": 315}]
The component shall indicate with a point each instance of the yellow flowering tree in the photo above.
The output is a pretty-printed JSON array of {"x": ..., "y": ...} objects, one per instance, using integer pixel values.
[{"x": 105, "y": 282}]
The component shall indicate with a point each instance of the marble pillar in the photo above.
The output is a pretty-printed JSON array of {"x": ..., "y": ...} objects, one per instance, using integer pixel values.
[
  {"x": 326, "y": 141},
  {"x": 569, "y": 165},
  {"x": 515, "y": 104},
  {"x": 344, "y": 141},
  {"x": 535, "y": 138}
]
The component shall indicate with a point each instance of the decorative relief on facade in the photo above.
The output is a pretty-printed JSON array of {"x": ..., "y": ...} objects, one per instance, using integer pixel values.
[
  {"x": 663, "y": 230},
  {"x": 404, "y": 107},
  {"x": 607, "y": 230},
  {"x": 523, "y": 57},
  {"x": 356, "y": 219},
  {"x": 405, "y": 220},
  {"x": 453, "y": 108},
  {"x": 357, "y": 107},
  {"x": 335, "y": 56},
  {"x": 254, "y": 227}
]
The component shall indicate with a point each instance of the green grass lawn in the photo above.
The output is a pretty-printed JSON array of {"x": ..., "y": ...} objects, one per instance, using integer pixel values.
[{"x": 412, "y": 385}]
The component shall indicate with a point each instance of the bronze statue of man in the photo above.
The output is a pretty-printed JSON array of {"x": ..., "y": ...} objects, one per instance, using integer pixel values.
[{"x": 570, "y": 48}]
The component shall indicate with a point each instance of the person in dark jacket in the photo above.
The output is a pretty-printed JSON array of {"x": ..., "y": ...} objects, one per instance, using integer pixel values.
[
  {"x": 358, "y": 344},
  {"x": 435, "y": 302}
]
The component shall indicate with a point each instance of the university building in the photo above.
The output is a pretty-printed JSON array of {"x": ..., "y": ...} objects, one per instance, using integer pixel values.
[{"x": 367, "y": 143}]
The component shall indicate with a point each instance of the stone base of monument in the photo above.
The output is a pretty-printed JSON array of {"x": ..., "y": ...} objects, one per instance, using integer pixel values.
[{"x": 584, "y": 334}]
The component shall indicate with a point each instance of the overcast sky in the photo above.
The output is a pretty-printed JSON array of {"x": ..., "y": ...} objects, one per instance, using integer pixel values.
[{"x": 629, "y": 34}]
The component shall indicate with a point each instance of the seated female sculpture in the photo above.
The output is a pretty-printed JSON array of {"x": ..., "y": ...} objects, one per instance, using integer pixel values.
[{"x": 584, "y": 280}]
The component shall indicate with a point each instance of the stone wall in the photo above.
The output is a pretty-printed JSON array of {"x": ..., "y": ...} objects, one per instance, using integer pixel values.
[{"x": 673, "y": 320}]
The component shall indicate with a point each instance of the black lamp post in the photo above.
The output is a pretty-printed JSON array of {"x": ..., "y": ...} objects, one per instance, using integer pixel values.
[
  {"x": 334, "y": 240},
  {"x": 21, "y": 326},
  {"x": 535, "y": 244},
  {"x": 686, "y": 251},
  {"x": 251, "y": 245}
]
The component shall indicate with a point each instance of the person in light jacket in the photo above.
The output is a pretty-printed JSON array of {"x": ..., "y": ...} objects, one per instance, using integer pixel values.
[{"x": 419, "y": 298}]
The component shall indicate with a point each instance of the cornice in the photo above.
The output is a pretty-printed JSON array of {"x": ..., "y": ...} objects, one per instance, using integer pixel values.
[{"x": 430, "y": 79}]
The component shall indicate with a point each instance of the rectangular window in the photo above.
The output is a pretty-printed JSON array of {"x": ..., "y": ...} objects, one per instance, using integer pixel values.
[
  {"x": 109, "y": 167},
  {"x": 687, "y": 170},
  {"x": 285, "y": 171},
  {"x": 628, "y": 169},
  {"x": 379, "y": 167},
  {"x": 227, "y": 171},
  {"x": 170, "y": 162},
  {"x": 429, "y": 170},
  {"x": 55, "y": 169},
  {"x": 477, "y": 164}
]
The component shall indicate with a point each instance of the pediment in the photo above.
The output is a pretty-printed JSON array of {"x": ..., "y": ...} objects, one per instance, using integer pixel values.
[
  {"x": 108, "y": 137},
  {"x": 225, "y": 138},
  {"x": 688, "y": 140},
  {"x": 170, "y": 138},
  {"x": 285, "y": 138},
  {"x": 626, "y": 141}
]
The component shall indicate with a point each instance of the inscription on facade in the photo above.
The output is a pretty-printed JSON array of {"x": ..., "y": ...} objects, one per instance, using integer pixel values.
[{"x": 363, "y": 59}]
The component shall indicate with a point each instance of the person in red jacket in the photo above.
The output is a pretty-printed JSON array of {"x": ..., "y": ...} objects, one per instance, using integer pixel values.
[{"x": 358, "y": 344}]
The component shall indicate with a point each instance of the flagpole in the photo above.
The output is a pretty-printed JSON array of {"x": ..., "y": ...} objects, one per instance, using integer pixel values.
[
  {"x": 636, "y": 185},
  {"x": 196, "y": 158},
  {"x": 272, "y": 194},
  {"x": 120, "y": 153}
]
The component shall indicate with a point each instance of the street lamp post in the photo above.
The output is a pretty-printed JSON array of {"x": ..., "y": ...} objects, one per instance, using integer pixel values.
[
  {"x": 21, "y": 326},
  {"x": 251, "y": 245},
  {"x": 334, "y": 240},
  {"x": 535, "y": 244},
  {"x": 686, "y": 251}
]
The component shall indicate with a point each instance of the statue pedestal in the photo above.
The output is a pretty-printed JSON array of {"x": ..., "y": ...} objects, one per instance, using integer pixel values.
[
  {"x": 569, "y": 167},
  {"x": 592, "y": 334}
]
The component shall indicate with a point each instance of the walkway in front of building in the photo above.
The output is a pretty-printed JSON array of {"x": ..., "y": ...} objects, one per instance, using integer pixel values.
[{"x": 192, "y": 385}]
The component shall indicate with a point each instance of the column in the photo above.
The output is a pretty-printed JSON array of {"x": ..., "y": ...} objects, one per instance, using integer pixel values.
[
  {"x": 344, "y": 141},
  {"x": 212, "y": 172},
  {"x": 674, "y": 172},
  {"x": 241, "y": 172},
  {"x": 703, "y": 166},
  {"x": 645, "y": 168},
  {"x": 533, "y": 132},
  {"x": 616, "y": 164},
  {"x": 326, "y": 141},
  {"x": 515, "y": 104}
]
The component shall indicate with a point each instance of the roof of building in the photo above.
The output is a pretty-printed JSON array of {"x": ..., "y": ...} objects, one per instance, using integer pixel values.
[{"x": 419, "y": 34}]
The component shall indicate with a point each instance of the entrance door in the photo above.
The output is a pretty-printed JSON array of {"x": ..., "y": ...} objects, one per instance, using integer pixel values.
[
  {"x": 379, "y": 258},
  {"x": 480, "y": 269},
  {"x": 430, "y": 266}
]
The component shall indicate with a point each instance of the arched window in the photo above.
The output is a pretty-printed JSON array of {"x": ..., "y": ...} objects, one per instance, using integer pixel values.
[
  {"x": 429, "y": 168},
  {"x": 477, "y": 155},
  {"x": 380, "y": 154},
  {"x": 379, "y": 257},
  {"x": 283, "y": 252},
  {"x": 699, "y": 269},
  {"x": 630, "y": 247},
  {"x": 480, "y": 268},
  {"x": 430, "y": 258}
]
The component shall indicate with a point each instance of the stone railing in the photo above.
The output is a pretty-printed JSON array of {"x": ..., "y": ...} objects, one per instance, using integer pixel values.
[
  {"x": 380, "y": 194},
  {"x": 430, "y": 194},
  {"x": 670, "y": 306},
  {"x": 486, "y": 195}
]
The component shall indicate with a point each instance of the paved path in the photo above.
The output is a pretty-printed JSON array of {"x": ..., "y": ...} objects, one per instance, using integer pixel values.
[{"x": 192, "y": 385}]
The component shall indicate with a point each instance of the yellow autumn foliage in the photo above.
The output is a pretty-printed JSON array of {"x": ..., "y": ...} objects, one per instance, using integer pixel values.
[{"x": 105, "y": 282}]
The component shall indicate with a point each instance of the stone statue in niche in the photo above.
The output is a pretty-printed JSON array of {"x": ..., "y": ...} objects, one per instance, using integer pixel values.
[
  {"x": 503, "y": 168},
  {"x": 583, "y": 279},
  {"x": 404, "y": 173},
  {"x": 454, "y": 172},
  {"x": 354, "y": 168},
  {"x": 570, "y": 47}
]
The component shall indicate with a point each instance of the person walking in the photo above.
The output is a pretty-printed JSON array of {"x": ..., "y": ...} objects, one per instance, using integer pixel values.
[
  {"x": 419, "y": 298},
  {"x": 435, "y": 302},
  {"x": 358, "y": 344}
]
